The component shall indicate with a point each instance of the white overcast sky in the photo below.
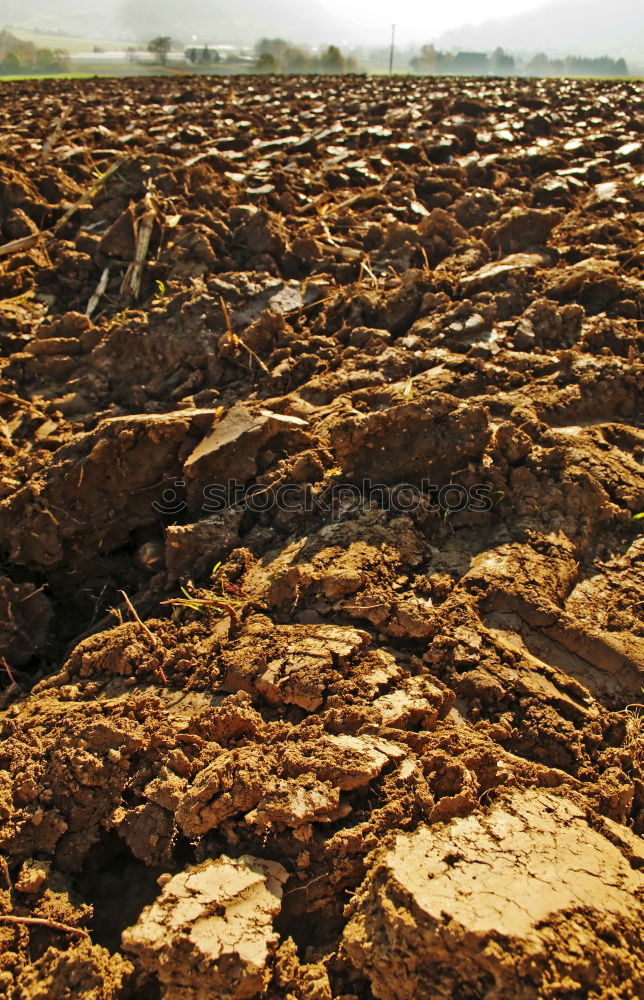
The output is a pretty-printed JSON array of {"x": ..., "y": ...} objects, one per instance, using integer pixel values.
[{"x": 423, "y": 19}]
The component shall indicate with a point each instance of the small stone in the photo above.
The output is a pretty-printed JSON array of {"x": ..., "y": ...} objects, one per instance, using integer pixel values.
[
  {"x": 151, "y": 556},
  {"x": 32, "y": 876}
]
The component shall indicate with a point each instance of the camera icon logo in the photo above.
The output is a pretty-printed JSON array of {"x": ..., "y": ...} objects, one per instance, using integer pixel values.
[{"x": 171, "y": 502}]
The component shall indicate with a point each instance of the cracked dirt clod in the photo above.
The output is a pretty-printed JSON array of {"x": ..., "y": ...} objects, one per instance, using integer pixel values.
[
  {"x": 293, "y": 784},
  {"x": 524, "y": 900},
  {"x": 290, "y": 665},
  {"x": 210, "y": 933}
]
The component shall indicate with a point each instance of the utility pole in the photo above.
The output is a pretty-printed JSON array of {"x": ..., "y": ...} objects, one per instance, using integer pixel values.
[{"x": 391, "y": 50}]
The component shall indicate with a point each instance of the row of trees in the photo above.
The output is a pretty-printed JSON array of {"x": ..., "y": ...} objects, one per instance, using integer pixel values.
[
  {"x": 500, "y": 63},
  {"x": 272, "y": 55},
  {"x": 18, "y": 57},
  {"x": 541, "y": 65},
  {"x": 431, "y": 60},
  {"x": 275, "y": 55}
]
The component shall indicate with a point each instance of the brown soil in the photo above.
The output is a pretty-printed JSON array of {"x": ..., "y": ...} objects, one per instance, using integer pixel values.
[{"x": 388, "y": 751}]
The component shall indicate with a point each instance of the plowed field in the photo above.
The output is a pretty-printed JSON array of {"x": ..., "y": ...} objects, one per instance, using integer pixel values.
[{"x": 321, "y": 551}]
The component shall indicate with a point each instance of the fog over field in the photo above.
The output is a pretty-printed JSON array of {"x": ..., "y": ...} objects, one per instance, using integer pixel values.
[{"x": 591, "y": 27}]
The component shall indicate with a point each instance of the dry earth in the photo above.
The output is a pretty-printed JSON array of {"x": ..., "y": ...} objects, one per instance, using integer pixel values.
[{"x": 388, "y": 748}]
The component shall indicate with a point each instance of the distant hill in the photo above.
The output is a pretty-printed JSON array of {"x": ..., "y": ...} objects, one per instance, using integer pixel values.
[
  {"x": 17, "y": 56},
  {"x": 80, "y": 17},
  {"x": 560, "y": 27}
]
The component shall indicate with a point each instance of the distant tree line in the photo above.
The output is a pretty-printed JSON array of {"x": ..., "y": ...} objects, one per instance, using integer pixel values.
[
  {"x": 18, "y": 57},
  {"x": 431, "y": 60},
  {"x": 541, "y": 65},
  {"x": 275, "y": 55},
  {"x": 500, "y": 63}
]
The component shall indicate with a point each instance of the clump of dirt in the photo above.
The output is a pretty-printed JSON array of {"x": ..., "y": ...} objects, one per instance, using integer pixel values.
[
  {"x": 505, "y": 902},
  {"x": 321, "y": 660},
  {"x": 210, "y": 932}
]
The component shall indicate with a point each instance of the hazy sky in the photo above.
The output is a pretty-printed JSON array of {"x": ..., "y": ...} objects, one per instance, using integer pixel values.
[
  {"x": 593, "y": 27},
  {"x": 423, "y": 18}
]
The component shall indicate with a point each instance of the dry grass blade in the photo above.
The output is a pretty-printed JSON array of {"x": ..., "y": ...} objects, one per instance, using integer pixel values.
[
  {"x": 314, "y": 203},
  {"x": 24, "y": 243},
  {"x": 145, "y": 628},
  {"x": 8, "y": 672},
  {"x": 327, "y": 232},
  {"x": 237, "y": 341},
  {"x": 637, "y": 251},
  {"x": 199, "y": 603},
  {"x": 25, "y": 404},
  {"x": 210, "y": 600},
  {"x": 136, "y": 616},
  {"x": 33, "y": 593},
  {"x": 364, "y": 266},
  {"x": 89, "y": 194},
  {"x": 100, "y": 288},
  {"x": 6, "y": 397},
  {"x": 311, "y": 305},
  {"x": 49, "y": 143},
  {"x": 131, "y": 285},
  {"x": 360, "y": 196},
  {"x": 634, "y": 741},
  {"x": 53, "y": 925},
  {"x": 224, "y": 309}
]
